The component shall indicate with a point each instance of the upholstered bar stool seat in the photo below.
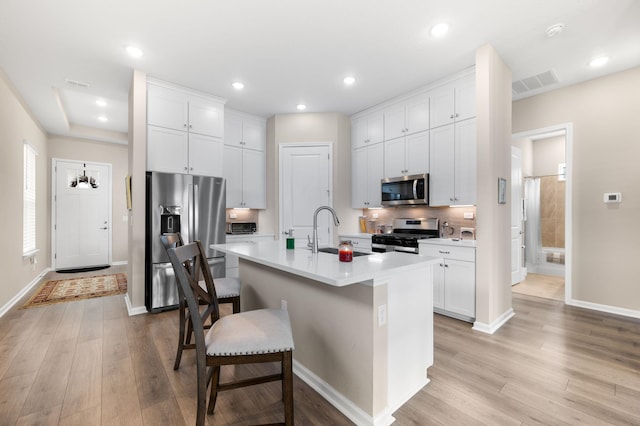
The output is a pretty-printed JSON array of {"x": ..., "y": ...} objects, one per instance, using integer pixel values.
[{"x": 248, "y": 333}]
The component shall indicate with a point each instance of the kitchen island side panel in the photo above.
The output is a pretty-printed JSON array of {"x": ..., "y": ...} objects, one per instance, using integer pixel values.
[{"x": 333, "y": 329}]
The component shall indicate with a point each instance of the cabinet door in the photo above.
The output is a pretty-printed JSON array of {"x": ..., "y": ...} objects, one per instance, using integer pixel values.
[
  {"x": 394, "y": 156},
  {"x": 167, "y": 150},
  {"x": 253, "y": 179},
  {"x": 359, "y": 182},
  {"x": 465, "y": 98},
  {"x": 359, "y": 132},
  {"x": 417, "y": 153},
  {"x": 442, "y": 108},
  {"x": 254, "y": 134},
  {"x": 232, "y": 172},
  {"x": 205, "y": 155},
  {"x": 441, "y": 166},
  {"x": 206, "y": 117},
  {"x": 166, "y": 108},
  {"x": 232, "y": 130},
  {"x": 438, "y": 285},
  {"x": 465, "y": 162},
  {"x": 394, "y": 124},
  {"x": 417, "y": 114},
  {"x": 375, "y": 128},
  {"x": 375, "y": 167},
  {"x": 460, "y": 287}
]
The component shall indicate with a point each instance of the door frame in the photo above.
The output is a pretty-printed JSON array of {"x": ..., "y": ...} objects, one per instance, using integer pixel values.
[
  {"x": 567, "y": 128},
  {"x": 281, "y": 148},
  {"x": 517, "y": 203},
  {"x": 54, "y": 177}
]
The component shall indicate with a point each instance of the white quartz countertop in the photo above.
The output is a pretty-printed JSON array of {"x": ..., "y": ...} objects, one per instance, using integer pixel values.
[
  {"x": 449, "y": 242},
  {"x": 324, "y": 267}
]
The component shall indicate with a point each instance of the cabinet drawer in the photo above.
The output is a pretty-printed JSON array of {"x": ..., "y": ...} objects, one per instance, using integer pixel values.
[{"x": 449, "y": 252}]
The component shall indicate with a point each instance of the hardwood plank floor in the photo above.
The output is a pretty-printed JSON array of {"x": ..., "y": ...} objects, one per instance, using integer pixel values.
[{"x": 87, "y": 362}]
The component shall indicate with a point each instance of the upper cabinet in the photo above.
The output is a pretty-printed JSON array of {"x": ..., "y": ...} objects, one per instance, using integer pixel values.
[
  {"x": 367, "y": 129},
  {"x": 455, "y": 101},
  {"x": 408, "y": 155},
  {"x": 241, "y": 130},
  {"x": 407, "y": 117},
  {"x": 245, "y": 160},
  {"x": 178, "y": 110},
  {"x": 184, "y": 131}
]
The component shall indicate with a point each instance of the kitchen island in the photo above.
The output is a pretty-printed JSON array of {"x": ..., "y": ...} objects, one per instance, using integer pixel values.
[{"x": 363, "y": 330}]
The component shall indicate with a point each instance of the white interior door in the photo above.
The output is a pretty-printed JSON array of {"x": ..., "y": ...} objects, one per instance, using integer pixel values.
[
  {"x": 81, "y": 214},
  {"x": 305, "y": 185},
  {"x": 517, "y": 247}
]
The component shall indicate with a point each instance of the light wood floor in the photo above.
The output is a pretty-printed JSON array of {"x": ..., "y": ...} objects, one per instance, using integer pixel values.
[
  {"x": 547, "y": 286},
  {"x": 87, "y": 363}
]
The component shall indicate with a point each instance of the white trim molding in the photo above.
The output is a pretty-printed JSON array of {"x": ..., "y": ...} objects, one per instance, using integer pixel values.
[
  {"x": 137, "y": 310},
  {"x": 339, "y": 401},
  {"x": 15, "y": 299},
  {"x": 605, "y": 308},
  {"x": 495, "y": 325}
]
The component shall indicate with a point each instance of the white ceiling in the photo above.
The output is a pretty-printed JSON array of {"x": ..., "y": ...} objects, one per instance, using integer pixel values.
[{"x": 290, "y": 51}]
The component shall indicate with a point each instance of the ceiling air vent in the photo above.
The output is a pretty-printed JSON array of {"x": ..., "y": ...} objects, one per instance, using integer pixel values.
[
  {"x": 537, "y": 81},
  {"x": 76, "y": 83}
]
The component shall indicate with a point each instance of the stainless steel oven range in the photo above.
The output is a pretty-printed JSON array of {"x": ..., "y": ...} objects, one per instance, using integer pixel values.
[{"x": 405, "y": 235}]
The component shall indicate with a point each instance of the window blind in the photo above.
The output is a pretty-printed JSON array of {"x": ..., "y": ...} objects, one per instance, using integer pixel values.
[{"x": 29, "y": 200}]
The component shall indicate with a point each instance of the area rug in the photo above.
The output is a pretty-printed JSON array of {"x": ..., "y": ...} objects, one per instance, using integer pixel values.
[{"x": 71, "y": 289}]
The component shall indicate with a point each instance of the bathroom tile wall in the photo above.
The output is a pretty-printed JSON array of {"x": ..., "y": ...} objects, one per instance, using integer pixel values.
[{"x": 552, "y": 193}]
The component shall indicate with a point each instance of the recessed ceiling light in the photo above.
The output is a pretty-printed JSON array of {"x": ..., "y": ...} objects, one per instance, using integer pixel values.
[
  {"x": 301, "y": 107},
  {"x": 237, "y": 85},
  {"x": 101, "y": 103},
  {"x": 554, "y": 30},
  {"x": 349, "y": 80},
  {"x": 599, "y": 61},
  {"x": 133, "y": 51},
  {"x": 439, "y": 30},
  {"x": 102, "y": 118}
]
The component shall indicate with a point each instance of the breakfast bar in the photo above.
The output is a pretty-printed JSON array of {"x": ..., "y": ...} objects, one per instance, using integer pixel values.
[{"x": 363, "y": 330}]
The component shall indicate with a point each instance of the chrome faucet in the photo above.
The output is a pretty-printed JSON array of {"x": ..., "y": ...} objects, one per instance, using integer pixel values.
[{"x": 314, "y": 243}]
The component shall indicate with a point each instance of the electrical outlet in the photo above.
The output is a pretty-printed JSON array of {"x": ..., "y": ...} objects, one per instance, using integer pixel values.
[
  {"x": 233, "y": 216},
  {"x": 375, "y": 215},
  {"x": 382, "y": 315},
  {"x": 283, "y": 304}
]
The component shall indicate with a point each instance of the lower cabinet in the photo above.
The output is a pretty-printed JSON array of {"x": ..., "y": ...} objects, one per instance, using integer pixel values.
[{"x": 454, "y": 281}]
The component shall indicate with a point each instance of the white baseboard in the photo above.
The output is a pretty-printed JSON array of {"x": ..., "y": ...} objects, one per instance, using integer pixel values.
[
  {"x": 496, "y": 324},
  {"x": 335, "y": 398},
  {"x": 119, "y": 262},
  {"x": 605, "y": 308},
  {"x": 133, "y": 310},
  {"x": 15, "y": 299}
]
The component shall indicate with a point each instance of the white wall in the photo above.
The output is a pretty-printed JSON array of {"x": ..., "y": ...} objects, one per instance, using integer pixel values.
[
  {"x": 606, "y": 149},
  {"x": 547, "y": 154},
  {"x": 16, "y": 125}
]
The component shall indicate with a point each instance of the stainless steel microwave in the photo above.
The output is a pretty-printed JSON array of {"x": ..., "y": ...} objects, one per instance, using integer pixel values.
[{"x": 405, "y": 190}]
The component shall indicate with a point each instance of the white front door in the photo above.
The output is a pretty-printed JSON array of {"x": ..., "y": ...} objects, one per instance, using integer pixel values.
[
  {"x": 517, "y": 250},
  {"x": 81, "y": 214},
  {"x": 305, "y": 185}
]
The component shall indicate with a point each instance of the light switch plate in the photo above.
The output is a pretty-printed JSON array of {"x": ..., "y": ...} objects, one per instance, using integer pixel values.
[
  {"x": 468, "y": 215},
  {"x": 612, "y": 197}
]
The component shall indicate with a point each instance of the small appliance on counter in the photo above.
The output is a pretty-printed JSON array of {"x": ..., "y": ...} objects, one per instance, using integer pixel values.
[
  {"x": 467, "y": 233},
  {"x": 236, "y": 228}
]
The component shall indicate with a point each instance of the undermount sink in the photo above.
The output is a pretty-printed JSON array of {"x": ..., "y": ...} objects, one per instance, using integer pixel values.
[{"x": 333, "y": 250}]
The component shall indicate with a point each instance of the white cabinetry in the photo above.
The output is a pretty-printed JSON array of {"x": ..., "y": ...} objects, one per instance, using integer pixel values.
[
  {"x": 453, "y": 102},
  {"x": 367, "y": 130},
  {"x": 406, "y": 118},
  {"x": 454, "y": 281},
  {"x": 452, "y": 171},
  {"x": 367, "y": 171},
  {"x": 245, "y": 161},
  {"x": 231, "y": 261},
  {"x": 184, "y": 132},
  {"x": 407, "y": 155},
  {"x": 361, "y": 242}
]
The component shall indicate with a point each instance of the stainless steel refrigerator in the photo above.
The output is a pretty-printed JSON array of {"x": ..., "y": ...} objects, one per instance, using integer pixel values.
[{"x": 195, "y": 207}]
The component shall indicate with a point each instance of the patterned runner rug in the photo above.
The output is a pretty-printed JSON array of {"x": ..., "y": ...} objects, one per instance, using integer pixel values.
[{"x": 71, "y": 289}]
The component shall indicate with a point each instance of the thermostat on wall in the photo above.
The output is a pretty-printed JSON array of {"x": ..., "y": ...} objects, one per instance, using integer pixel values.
[{"x": 613, "y": 197}]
